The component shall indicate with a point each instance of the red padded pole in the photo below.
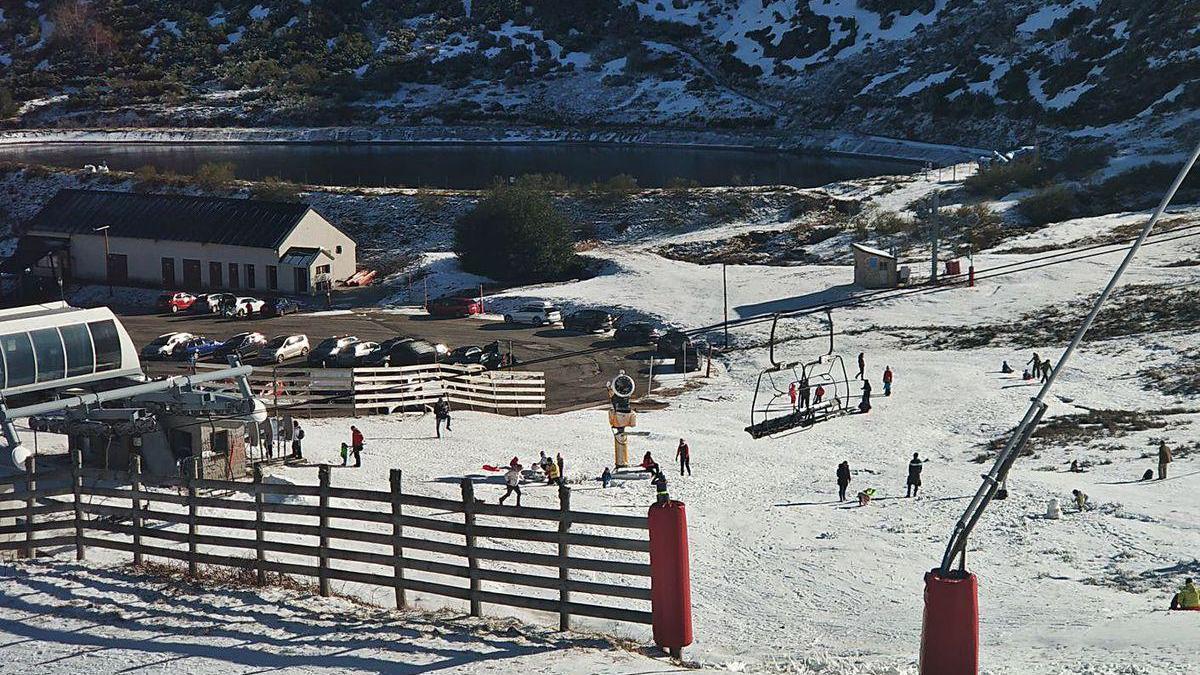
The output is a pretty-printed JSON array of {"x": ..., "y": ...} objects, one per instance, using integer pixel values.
[
  {"x": 670, "y": 577},
  {"x": 950, "y": 632}
]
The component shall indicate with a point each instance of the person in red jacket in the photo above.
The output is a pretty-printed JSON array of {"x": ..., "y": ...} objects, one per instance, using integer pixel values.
[
  {"x": 887, "y": 381},
  {"x": 356, "y": 444},
  {"x": 684, "y": 454}
]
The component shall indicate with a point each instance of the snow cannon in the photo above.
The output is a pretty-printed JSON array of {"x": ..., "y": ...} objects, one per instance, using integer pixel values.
[
  {"x": 621, "y": 416},
  {"x": 950, "y": 626}
]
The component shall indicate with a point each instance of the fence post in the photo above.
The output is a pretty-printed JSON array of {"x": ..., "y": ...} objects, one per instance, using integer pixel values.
[
  {"x": 397, "y": 535},
  {"x": 30, "y": 486},
  {"x": 135, "y": 483},
  {"x": 76, "y": 489},
  {"x": 259, "y": 552},
  {"x": 468, "y": 496},
  {"x": 564, "y": 553},
  {"x": 323, "y": 564},
  {"x": 192, "y": 473}
]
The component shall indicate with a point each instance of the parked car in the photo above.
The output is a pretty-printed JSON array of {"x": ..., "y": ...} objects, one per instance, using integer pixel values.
[
  {"x": 325, "y": 353},
  {"x": 589, "y": 321},
  {"x": 454, "y": 307},
  {"x": 164, "y": 346},
  {"x": 176, "y": 302},
  {"x": 466, "y": 356},
  {"x": 244, "y": 307},
  {"x": 244, "y": 345},
  {"x": 675, "y": 344},
  {"x": 280, "y": 307},
  {"x": 637, "y": 333},
  {"x": 213, "y": 302},
  {"x": 413, "y": 353},
  {"x": 352, "y": 355},
  {"x": 284, "y": 347},
  {"x": 197, "y": 348},
  {"x": 535, "y": 313}
]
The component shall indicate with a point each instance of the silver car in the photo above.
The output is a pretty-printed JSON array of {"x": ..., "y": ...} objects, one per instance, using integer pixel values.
[{"x": 284, "y": 347}]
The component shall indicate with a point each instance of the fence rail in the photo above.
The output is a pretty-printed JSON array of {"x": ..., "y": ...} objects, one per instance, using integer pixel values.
[
  {"x": 342, "y": 391},
  {"x": 391, "y": 539}
]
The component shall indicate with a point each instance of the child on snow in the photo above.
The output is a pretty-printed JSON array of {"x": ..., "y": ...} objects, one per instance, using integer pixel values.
[
  {"x": 887, "y": 381},
  {"x": 1081, "y": 500},
  {"x": 345, "y": 454},
  {"x": 606, "y": 477}
]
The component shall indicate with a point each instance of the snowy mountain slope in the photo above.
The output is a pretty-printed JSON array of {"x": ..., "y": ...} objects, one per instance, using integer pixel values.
[{"x": 973, "y": 72}]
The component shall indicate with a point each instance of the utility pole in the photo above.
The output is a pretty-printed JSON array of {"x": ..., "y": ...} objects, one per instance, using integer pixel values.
[
  {"x": 107, "y": 263},
  {"x": 725, "y": 300},
  {"x": 936, "y": 231}
]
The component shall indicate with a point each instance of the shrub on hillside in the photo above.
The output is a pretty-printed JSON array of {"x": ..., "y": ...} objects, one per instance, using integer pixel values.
[
  {"x": 516, "y": 235},
  {"x": 999, "y": 179},
  {"x": 214, "y": 175},
  {"x": 275, "y": 189},
  {"x": 1082, "y": 161},
  {"x": 1050, "y": 205}
]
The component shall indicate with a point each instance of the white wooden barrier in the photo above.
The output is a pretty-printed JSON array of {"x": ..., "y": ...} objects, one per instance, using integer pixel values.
[{"x": 354, "y": 391}]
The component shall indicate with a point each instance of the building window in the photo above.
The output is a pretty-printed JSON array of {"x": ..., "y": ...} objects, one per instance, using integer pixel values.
[
  {"x": 322, "y": 269},
  {"x": 272, "y": 277},
  {"x": 214, "y": 274},
  {"x": 338, "y": 250},
  {"x": 108, "y": 345},
  {"x": 18, "y": 359},
  {"x": 80, "y": 359},
  {"x": 233, "y": 275},
  {"x": 251, "y": 282},
  {"x": 51, "y": 362}
]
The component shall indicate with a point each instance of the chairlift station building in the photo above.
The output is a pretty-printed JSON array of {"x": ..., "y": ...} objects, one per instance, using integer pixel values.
[{"x": 189, "y": 242}]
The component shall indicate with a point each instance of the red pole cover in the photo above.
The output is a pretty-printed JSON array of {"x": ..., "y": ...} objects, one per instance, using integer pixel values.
[
  {"x": 950, "y": 633},
  {"x": 670, "y": 578}
]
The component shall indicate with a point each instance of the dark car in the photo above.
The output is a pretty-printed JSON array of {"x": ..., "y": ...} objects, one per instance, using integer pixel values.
[
  {"x": 326, "y": 352},
  {"x": 454, "y": 307},
  {"x": 381, "y": 357},
  {"x": 280, "y": 307},
  {"x": 676, "y": 344},
  {"x": 244, "y": 345},
  {"x": 589, "y": 321},
  {"x": 637, "y": 333},
  {"x": 466, "y": 356},
  {"x": 197, "y": 348},
  {"x": 412, "y": 353}
]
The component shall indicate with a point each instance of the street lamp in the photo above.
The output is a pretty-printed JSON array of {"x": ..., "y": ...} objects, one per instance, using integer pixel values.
[{"x": 107, "y": 268}]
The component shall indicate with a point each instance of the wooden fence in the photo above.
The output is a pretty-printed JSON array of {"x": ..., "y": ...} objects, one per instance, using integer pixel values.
[
  {"x": 356, "y": 391},
  {"x": 462, "y": 549}
]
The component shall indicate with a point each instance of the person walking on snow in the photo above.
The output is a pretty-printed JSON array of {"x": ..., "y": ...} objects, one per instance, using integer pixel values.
[
  {"x": 1046, "y": 369},
  {"x": 887, "y": 381},
  {"x": 804, "y": 392},
  {"x": 297, "y": 436},
  {"x": 914, "y": 476},
  {"x": 864, "y": 406},
  {"x": 606, "y": 477},
  {"x": 792, "y": 394},
  {"x": 1036, "y": 362},
  {"x": 862, "y": 366},
  {"x": 356, "y": 445},
  {"x": 843, "y": 480},
  {"x": 345, "y": 453},
  {"x": 441, "y": 413},
  {"x": 512, "y": 483},
  {"x": 1164, "y": 458},
  {"x": 684, "y": 454},
  {"x": 1188, "y": 597}
]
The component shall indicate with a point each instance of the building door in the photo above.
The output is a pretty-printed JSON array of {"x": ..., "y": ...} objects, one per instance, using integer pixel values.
[
  {"x": 233, "y": 275},
  {"x": 118, "y": 269},
  {"x": 168, "y": 272},
  {"x": 301, "y": 280},
  {"x": 251, "y": 282},
  {"x": 272, "y": 277},
  {"x": 214, "y": 274},
  {"x": 191, "y": 274}
]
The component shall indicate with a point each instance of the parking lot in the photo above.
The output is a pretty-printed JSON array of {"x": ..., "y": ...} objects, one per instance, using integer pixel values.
[{"x": 572, "y": 382}]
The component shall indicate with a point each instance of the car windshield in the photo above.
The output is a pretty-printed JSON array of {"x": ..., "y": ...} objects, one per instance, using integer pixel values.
[
  {"x": 329, "y": 343},
  {"x": 277, "y": 342},
  {"x": 160, "y": 341}
]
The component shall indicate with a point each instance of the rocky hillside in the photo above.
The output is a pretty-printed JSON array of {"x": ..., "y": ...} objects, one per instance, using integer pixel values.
[{"x": 975, "y": 72}]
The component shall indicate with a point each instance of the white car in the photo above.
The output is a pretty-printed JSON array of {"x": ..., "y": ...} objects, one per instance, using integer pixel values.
[
  {"x": 164, "y": 346},
  {"x": 213, "y": 302},
  {"x": 535, "y": 313},
  {"x": 284, "y": 347},
  {"x": 244, "y": 307}
]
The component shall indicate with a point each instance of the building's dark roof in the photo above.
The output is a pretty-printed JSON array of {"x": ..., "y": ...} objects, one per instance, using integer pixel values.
[
  {"x": 208, "y": 220},
  {"x": 301, "y": 256}
]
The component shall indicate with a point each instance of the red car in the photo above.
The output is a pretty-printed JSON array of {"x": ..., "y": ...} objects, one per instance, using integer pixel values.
[
  {"x": 455, "y": 307},
  {"x": 176, "y": 302}
]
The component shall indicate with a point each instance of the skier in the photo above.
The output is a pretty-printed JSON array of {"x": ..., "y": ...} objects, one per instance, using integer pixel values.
[
  {"x": 512, "y": 483},
  {"x": 818, "y": 394},
  {"x": 1164, "y": 458},
  {"x": 862, "y": 366},
  {"x": 887, "y": 381},
  {"x": 659, "y": 481},
  {"x": 356, "y": 445},
  {"x": 559, "y": 461},
  {"x": 345, "y": 453},
  {"x": 792, "y": 394},
  {"x": 914, "y": 476},
  {"x": 1006, "y": 369},
  {"x": 1188, "y": 597},
  {"x": 1046, "y": 369},
  {"x": 865, "y": 496},
  {"x": 1036, "y": 362},
  {"x": 606, "y": 477},
  {"x": 1081, "y": 500},
  {"x": 864, "y": 406},
  {"x": 684, "y": 454},
  {"x": 297, "y": 436},
  {"x": 441, "y": 413},
  {"x": 843, "y": 480},
  {"x": 804, "y": 392}
]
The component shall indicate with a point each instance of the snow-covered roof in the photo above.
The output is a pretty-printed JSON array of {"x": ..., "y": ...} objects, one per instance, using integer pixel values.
[{"x": 873, "y": 251}]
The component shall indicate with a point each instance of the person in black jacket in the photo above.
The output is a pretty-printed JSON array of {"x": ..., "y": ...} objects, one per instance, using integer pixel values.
[
  {"x": 843, "y": 480},
  {"x": 914, "y": 476},
  {"x": 864, "y": 406},
  {"x": 441, "y": 413}
]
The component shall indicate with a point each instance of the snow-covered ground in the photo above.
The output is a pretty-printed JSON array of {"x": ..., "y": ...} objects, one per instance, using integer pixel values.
[{"x": 784, "y": 577}]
